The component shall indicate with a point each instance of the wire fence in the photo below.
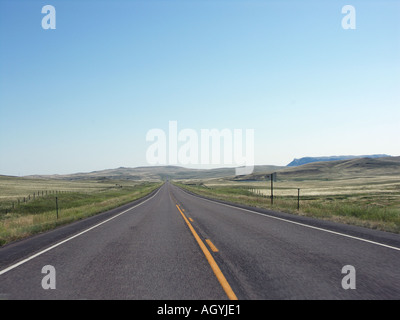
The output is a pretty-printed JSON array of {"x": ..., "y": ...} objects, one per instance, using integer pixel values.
[
  {"x": 263, "y": 193},
  {"x": 9, "y": 206}
]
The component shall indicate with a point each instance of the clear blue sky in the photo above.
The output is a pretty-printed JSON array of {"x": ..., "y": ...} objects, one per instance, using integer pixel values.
[{"x": 83, "y": 96}]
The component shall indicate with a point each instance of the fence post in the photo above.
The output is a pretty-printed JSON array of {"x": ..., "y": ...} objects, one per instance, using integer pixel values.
[
  {"x": 272, "y": 191},
  {"x": 298, "y": 198},
  {"x": 57, "y": 206}
]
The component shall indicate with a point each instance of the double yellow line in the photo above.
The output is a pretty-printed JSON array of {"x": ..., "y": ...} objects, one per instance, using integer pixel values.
[{"x": 214, "y": 266}]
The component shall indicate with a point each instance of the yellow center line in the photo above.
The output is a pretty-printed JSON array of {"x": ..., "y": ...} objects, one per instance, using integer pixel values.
[
  {"x": 191, "y": 220},
  {"x": 211, "y": 245},
  {"x": 214, "y": 266}
]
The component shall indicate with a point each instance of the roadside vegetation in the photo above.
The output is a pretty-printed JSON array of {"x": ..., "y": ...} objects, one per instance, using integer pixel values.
[
  {"x": 367, "y": 202},
  {"x": 76, "y": 200}
]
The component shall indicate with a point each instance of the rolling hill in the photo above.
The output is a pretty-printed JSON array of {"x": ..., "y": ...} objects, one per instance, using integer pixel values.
[
  {"x": 358, "y": 167},
  {"x": 346, "y": 168},
  {"x": 305, "y": 160},
  {"x": 155, "y": 173},
  {"x": 339, "y": 169}
]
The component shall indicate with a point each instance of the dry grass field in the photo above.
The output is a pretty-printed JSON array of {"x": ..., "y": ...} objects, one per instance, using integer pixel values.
[
  {"x": 363, "y": 192},
  {"x": 76, "y": 200},
  {"x": 375, "y": 205}
]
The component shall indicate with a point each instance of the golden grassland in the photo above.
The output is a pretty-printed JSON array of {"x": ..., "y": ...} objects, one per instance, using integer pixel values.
[
  {"x": 76, "y": 200},
  {"x": 372, "y": 202},
  {"x": 12, "y": 188}
]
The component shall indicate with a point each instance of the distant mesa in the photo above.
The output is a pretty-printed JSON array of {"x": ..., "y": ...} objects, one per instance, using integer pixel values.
[{"x": 305, "y": 160}]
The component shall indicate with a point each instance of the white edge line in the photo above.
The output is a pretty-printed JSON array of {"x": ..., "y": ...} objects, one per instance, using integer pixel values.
[
  {"x": 297, "y": 223},
  {"x": 72, "y": 237}
]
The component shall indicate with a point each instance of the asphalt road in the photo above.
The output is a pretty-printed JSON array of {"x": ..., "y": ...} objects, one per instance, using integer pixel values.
[{"x": 177, "y": 246}]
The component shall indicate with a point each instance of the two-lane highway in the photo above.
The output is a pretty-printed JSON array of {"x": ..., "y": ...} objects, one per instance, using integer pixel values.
[{"x": 175, "y": 245}]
